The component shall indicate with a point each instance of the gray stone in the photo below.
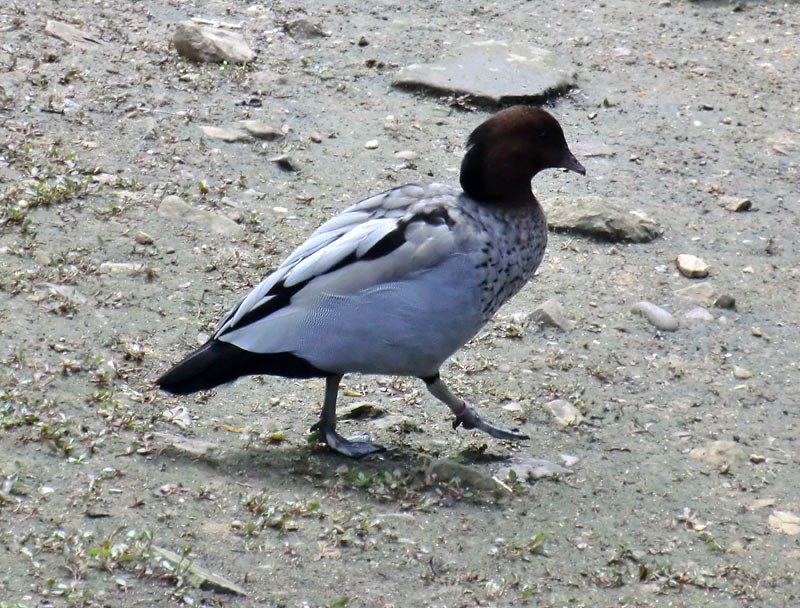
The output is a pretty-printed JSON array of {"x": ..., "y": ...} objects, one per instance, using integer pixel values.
[
  {"x": 491, "y": 72},
  {"x": 70, "y": 34},
  {"x": 657, "y": 316},
  {"x": 120, "y": 268},
  {"x": 284, "y": 162},
  {"x": 699, "y": 293},
  {"x": 564, "y": 413},
  {"x": 143, "y": 238},
  {"x": 735, "y": 203},
  {"x": 552, "y": 313},
  {"x": 199, "y": 43},
  {"x": 303, "y": 29},
  {"x": 600, "y": 218},
  {"x": 698, "y": 314},
  {"x": 174, "y": 207},
  {"x": 360, "y": 411},
  {"x": 224, "y": 133},
  {"x": 261, "y": 130},
  {"x": 718, "y": 453},
  {"x": 691, "y": 266},
  {"x": 725, "y": 301}
]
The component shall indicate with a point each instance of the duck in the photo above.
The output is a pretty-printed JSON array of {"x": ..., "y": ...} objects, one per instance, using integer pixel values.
[{"x": 395, "y": 284}]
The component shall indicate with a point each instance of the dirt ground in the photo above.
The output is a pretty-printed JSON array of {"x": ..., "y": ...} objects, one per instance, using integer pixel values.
[{"x": 683, "y": 476}]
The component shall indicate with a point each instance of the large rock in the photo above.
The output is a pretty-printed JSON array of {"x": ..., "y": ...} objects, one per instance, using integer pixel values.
[
  {"x": 600, "y": 218},
  {"x": 199, "y": 43},
  {"x": 491, "y": 72}
]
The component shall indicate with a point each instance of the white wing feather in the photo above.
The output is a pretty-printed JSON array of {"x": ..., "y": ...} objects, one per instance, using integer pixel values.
[
  {"x": 322, "y": 260},
  {"x": 353, "y": 232}
]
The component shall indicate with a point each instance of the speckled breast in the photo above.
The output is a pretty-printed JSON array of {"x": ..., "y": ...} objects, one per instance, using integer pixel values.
[{"x": 513, "y": 242}]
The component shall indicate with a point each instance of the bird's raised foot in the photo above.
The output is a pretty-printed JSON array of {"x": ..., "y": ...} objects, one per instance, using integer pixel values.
[
  {"x": 355, "y": 447},
  {"x": 469, "y": 419}
]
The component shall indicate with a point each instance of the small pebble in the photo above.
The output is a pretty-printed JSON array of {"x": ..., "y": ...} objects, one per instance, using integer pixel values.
[
  {"x": 406, "y": 155},
  {"x": 564, "y": 413},
  {"x": 363, "y": 41},
  {"x": 262, "y": 130},
  {"x": 757, "y": 458},
  {"x": 741, "y": 373},
  {"x": 371, "y": 144},
  {"x": 224, "y": 133},
  {"x": 120, "y": 268},
  {"x": 552, "y": 313},
  {"x": 691, "y": 266},
  {"x": 568, "y": 459},
  {"x": 756, "y": 332},
  {"x": 657, "y": 316},
  {"x": 737, "y": 205},
  {"x": 284, "y": 162},
  {"x": 698, "y": 313},
  {"x": 315, "y": 137},
  {"x": 143, "y": 238},
  {"x": 725, "y": 301}
]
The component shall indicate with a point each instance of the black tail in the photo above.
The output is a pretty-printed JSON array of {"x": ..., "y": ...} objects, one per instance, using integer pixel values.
[{"x": 218, "y": 362}]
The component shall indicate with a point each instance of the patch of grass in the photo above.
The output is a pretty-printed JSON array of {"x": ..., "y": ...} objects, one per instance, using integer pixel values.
[
  {"x": 278, "y": 515},
  {"x": 53, "y": 179},
  {"x": 522, "y": 550}
]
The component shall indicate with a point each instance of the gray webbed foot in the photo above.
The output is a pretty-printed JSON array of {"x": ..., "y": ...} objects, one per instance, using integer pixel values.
[
  {"x": 355, "y": 447},
  {"x": 465, "y": 415},
  {"x": 469, "y": 419}
]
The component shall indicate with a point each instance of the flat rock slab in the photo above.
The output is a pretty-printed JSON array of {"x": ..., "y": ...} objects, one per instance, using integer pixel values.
[
  {"x": 199, "y": 43},
  {"x": 174, "y": 207},
  {"x": 599, "y": 218},
  {"x": 225, "y": 134},
  {"x": 69, "y": 34},
  {"x": 492, "y": 72}
]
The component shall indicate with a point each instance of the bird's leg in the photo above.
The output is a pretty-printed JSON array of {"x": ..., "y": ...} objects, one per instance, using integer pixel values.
[
  {"x": 464, "y": 413},
  {"x": 355, "y": 448}
]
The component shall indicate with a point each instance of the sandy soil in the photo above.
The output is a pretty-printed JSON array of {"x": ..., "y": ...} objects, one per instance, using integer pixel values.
[{"x": 684, "y": 480}]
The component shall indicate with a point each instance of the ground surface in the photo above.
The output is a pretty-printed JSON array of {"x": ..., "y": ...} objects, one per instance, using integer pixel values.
[{"x": 697, "y": 101}]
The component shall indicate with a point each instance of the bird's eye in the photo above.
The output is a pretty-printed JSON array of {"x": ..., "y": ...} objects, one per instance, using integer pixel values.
[{"x": 543, "y": 135}]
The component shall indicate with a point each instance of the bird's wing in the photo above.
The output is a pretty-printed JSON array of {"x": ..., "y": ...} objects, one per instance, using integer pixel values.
[{"x": 382, "y": 238}]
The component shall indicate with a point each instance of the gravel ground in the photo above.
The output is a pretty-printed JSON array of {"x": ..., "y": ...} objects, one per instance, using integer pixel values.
[{"x": 670, "y": 459}]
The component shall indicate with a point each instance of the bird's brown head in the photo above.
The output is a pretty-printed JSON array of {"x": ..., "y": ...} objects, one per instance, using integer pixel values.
[{"x": 506, "y": 151}]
